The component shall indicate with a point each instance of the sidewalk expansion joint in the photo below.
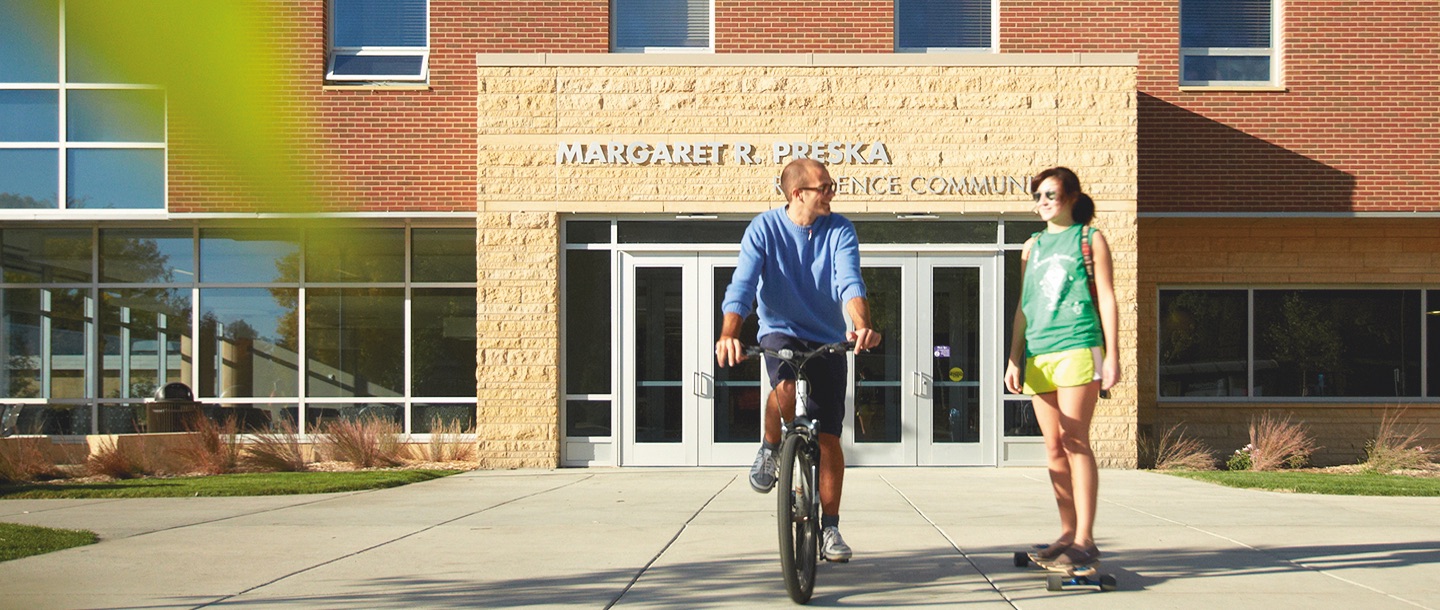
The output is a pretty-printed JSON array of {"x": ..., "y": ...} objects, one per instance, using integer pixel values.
[
  {"x": 953, "y": 545},
  {"x": 396, "y": 539},
  {"x": 668, "y": 544}
]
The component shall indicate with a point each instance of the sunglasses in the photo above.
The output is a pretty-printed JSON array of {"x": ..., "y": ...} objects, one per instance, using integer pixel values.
[
  {"x": 827, "y": 188},
  {"x": 1048, "y": 195}
]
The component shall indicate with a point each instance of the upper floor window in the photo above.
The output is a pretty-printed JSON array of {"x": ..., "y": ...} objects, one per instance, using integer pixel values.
[
  {"x": 1227, "y": 42},
  {"x": 640, "y": 26},
  {"x": 72, "y": 136},
  {"x": 945, "y": 25},
  {"x": 379, "y": 40}
]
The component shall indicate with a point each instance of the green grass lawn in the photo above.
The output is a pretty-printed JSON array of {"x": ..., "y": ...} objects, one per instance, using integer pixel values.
[
  {"x": 249, "y": 484},
  {"x": 1360, "y": 484},
  {"x": 18, "y": 541}
]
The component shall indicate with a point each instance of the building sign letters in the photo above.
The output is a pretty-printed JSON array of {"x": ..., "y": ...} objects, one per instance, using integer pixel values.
[{"x": 779, "y": 153}]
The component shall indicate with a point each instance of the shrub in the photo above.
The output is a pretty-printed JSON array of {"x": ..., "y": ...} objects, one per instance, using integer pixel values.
[
  {"x": 1176, "y": 451},
  {"x": 366, "y": 442},
  {"x": 1396, "y": 446},
  {"x": 447, "y": 442},
  {"x": 21, "y": 461},
  {"x": 1275, "y": 442},
  {"x": 278, "y": 450},
  {"x": 115, "y": 462},
  {"x": 1240, "y": 460},
  {"x": 211, "y": 448}
]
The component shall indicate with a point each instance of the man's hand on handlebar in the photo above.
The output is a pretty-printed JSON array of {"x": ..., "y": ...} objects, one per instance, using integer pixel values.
[
  {"x": 729, "y": 351},
  {"x": 864, "y": 338}
]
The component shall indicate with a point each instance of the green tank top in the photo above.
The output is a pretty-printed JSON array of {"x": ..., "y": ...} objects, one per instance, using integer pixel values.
[{"x": 1059, "y": 313}]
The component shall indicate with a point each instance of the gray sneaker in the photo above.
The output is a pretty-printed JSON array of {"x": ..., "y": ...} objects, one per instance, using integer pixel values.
[
  {"x": 834, "y": 547},
  {"x": 762, "y": 473}
]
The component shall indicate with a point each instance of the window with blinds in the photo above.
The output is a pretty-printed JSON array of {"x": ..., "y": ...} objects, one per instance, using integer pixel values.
[
  {"x": 379, "y": 41},
  {"x": 639, "y": 26},
  {"x": 944, "y": 25},
  {"x": 1227, "y": 42}
]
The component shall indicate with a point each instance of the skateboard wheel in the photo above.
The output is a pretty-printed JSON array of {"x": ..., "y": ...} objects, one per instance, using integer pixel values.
[
  {"x": 1055, "y": 582},
  {"x": 1022, "y": 559},
  {"x": 1107, "y": 582}
]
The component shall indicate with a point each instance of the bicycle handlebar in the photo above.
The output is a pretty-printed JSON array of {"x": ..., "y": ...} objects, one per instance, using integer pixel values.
[{"x": 791, "y": 355}]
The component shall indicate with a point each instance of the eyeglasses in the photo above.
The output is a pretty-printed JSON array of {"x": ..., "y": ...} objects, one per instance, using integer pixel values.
[
  {"x": 827, "y": 188},
  {"x": 1048, "y": 195}
]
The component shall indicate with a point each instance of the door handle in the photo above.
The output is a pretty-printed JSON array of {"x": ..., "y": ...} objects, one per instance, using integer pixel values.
[
  {"x": 702, "y": 385},
  {"x": 922, "y": 385}
]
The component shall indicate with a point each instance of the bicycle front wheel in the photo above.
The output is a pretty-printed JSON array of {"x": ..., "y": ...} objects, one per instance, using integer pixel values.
[{"x": 798, "y": 517}]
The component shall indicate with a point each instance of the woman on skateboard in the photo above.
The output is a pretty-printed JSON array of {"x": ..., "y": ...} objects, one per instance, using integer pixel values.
[{"x": 1065, "y": 340}]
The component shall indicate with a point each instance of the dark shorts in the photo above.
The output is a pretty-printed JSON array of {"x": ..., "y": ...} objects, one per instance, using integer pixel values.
[{"x": 826, "y": 374}]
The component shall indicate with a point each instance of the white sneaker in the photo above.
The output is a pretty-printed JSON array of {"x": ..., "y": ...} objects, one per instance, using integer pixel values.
[
  {"x": 762, "y": 473},
  {"x": 834, "y": 547}
]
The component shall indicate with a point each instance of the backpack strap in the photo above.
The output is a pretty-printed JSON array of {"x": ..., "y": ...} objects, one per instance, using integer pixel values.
[{"x": 1089, "y": 262}]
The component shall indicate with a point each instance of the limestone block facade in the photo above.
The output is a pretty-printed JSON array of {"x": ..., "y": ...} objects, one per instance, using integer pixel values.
[{"x": 961, "y": 134}]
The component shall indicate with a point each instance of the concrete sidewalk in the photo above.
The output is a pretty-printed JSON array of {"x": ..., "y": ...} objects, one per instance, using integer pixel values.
[{"x": 700, "y": 538}]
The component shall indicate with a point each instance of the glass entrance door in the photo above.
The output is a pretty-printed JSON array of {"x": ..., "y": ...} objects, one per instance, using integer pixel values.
[
  {"x": 678, "y": 407},
  {"x": 928, "y": 394}
]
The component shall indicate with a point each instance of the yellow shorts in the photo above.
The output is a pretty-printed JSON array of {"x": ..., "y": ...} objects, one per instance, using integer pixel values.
[{"x": 1046, "y": 372}]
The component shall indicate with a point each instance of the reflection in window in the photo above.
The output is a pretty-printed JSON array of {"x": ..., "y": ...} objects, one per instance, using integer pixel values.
[
  {"x": 442, "y": 255},
  {"x": 248, "y": 342},
  {"x": 29, "y": 115},
  {"x": 1203, "y": 349},
  {"x": 351, "y": 342},
  {"x": 640, "y": 25},
  {"x": 443, "y": 340},
  {"x": 31, "y": 179},
  {"x": 149, "y": 256},
  {"x": 379, "y": 40},
  {"x": 432, "y": 418},
  {"x": 922, "y": 25},
  {"x": 21, "y": 347},
  {"x": 249, "y": 255},
  {"x": 1226, "y": 42},
  {"x": 31, "y": 256},
  {"x": 1338, "y": 342},
  {"x": 63, "y": 328},
  {"x": 115, "y": 178},
  {"x": 30, "y": 42},
  {"x": 144, "y": 340},
  {"x": 115, "y": 115},
  {"x": 1432, "y": 330},
  {"x": 587, "y": 418},
  {"x": 355, "y": 255}
]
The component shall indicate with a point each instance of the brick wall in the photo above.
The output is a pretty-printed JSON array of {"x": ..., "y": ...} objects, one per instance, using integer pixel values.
[
  {"x": 1355, "y": 128},
  {"x": 800, "y": 26},
  {"x": 1175, "y": 253}
]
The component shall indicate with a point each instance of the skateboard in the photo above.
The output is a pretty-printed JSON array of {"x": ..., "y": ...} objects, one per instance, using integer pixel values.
[{"x": 1079, "y": 576}]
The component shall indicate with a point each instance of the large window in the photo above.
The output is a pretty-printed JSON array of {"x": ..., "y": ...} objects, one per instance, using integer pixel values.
[
  {"x": 379, "y": 40},
  {"x": 1265, "y": 344},
  {"x": 639, "y": 26},
  {"x": 265, "y": 322},
  {"x": 71, "y": 136},
  {"x": 945, "y": 25},
  {"x": 1228, "y": 42}
]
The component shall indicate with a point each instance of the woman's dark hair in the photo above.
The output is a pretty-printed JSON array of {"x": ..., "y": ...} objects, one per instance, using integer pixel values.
[{"x": 1084, "y": 210}]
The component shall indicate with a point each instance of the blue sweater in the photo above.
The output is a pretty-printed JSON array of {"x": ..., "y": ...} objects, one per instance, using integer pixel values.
[{"x": 804, "y": 276}]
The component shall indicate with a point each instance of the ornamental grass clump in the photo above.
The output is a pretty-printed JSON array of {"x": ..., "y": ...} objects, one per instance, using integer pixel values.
[
  {"x": 448, "y": 443},
  {"x": 117, "y": 462},
  {"x": 210, "y": 447},
  {"x": 1175, "y": 450},
  {"x": 366, "y": 442},
  {"x": 21, "y": 461},
  {"x": 1275, "y": 443},
  {"x": 1397, "y": 446},
  {"x": 277, "y": 450}
]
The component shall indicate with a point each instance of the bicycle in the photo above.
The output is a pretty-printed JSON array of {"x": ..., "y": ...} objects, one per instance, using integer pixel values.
[{"x": 798, "y": 510}]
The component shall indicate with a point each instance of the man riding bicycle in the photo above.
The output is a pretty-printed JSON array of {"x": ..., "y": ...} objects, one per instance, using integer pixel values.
[{"x": 803, "y": 262}]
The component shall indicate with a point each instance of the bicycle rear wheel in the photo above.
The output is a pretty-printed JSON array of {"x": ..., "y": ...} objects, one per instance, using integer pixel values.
[{"x": 799, "y": 520}]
